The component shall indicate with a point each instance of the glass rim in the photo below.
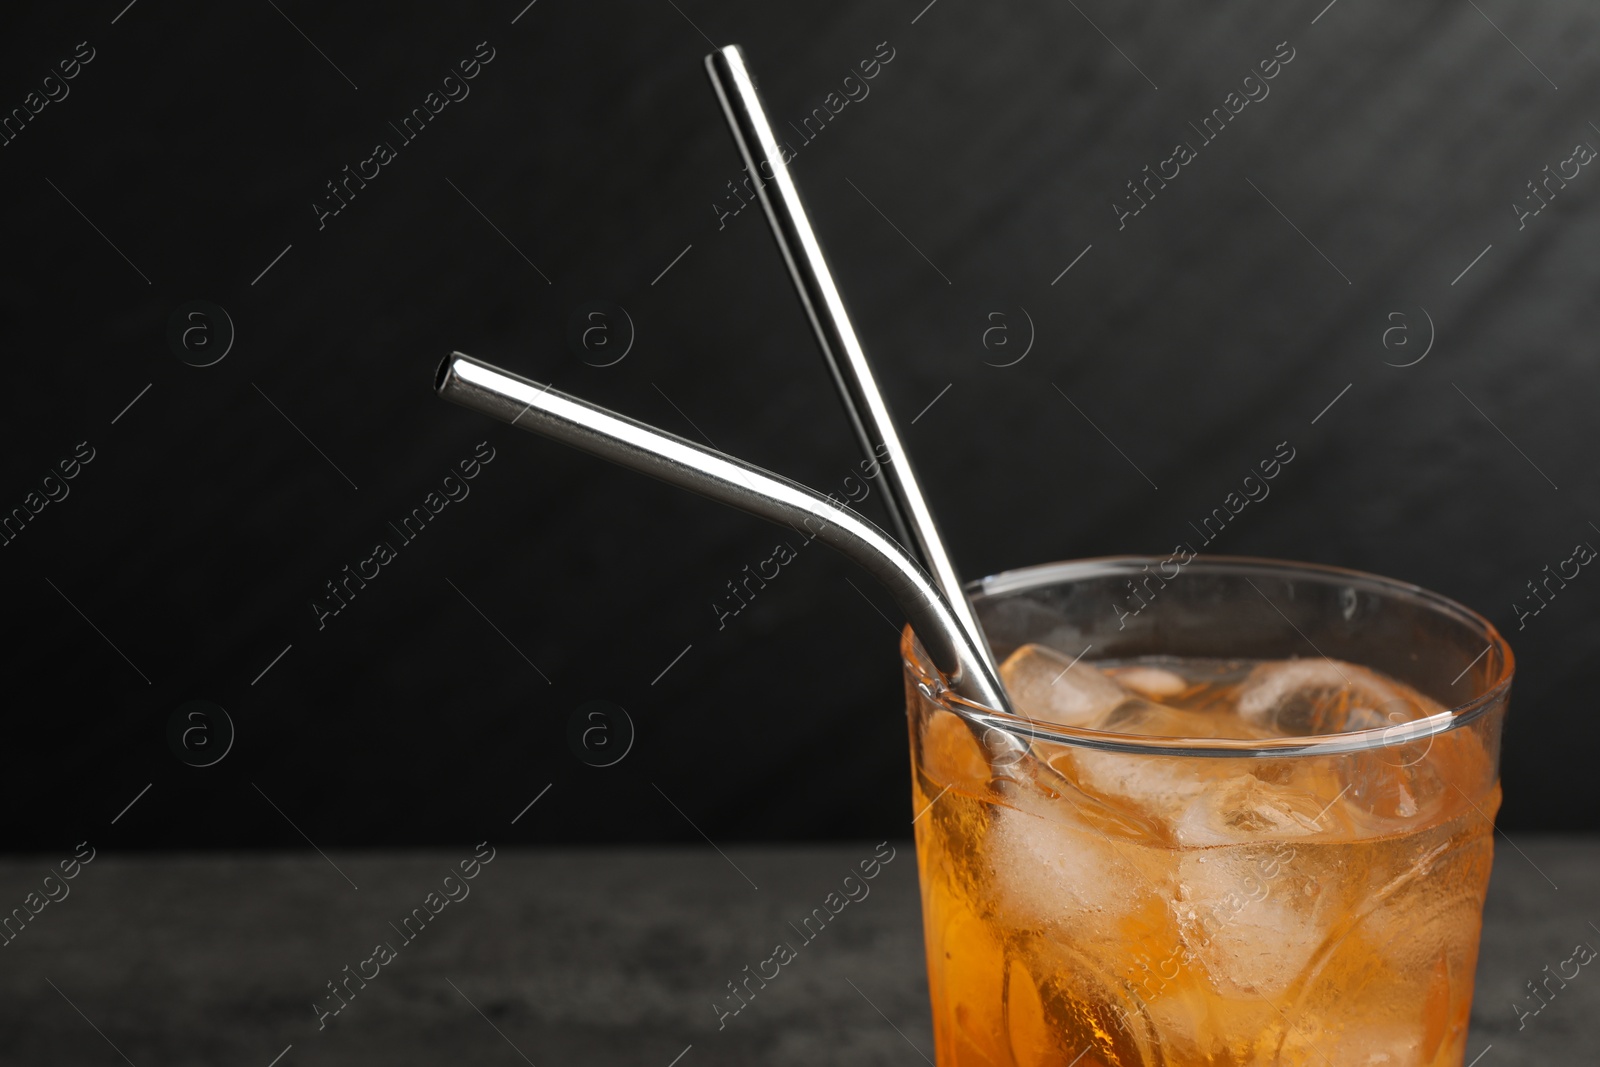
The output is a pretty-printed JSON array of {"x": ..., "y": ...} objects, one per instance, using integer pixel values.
[{"x": 914, "y": 660}]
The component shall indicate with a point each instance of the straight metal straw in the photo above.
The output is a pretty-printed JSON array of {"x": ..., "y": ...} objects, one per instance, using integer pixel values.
[
  {"x": 540, "y": 409},
  {"x": 910, "y": 518}
]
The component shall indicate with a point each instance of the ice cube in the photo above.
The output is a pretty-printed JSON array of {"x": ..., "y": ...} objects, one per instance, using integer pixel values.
[
  {"x": 1153, "y": 682},
  {"x": 1395, "y": 1042},
  {"x": 1252, "y": 918},
  {"x": 1147, "y": 719},
  {"x": 1300, "y": 697},
  {"x": 1397, "y": 989},
  {"x": 1049, "y": 686},
  {"x": 1156, "y": 789},
  {"x": 1052, "y": 865},
  {"x": 1406, "y": 782},
  {"x": 1243, "y": 809}
]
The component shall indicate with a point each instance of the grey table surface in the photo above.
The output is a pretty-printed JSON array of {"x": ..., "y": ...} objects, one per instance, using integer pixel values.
[{"x": 595, "y": 957}]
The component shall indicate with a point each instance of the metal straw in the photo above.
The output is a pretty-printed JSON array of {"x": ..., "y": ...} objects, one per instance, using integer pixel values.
[
  {"x": 540, "y": 409},
  {"x": 910, "y": 518}
]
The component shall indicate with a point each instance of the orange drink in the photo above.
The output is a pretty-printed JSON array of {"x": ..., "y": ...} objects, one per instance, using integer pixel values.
[{"x": 1252, "y": 824}]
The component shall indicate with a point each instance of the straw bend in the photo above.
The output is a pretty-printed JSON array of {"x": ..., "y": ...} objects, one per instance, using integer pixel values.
[
  {"x": 910, "y": 518},
  {"x": 528, "y": 405}
]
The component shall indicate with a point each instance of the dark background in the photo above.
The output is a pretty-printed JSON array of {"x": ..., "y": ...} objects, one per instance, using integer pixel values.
[{"x": 188, "y": 554}]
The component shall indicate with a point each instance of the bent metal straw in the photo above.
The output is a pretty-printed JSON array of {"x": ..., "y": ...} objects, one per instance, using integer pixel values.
[
  {"x": 910, "y": 518},
  {"x": 528, "y": 405}
]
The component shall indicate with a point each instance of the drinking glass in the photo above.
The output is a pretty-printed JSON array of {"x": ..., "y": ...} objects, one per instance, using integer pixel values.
[{"x": 1292, "y": 872}]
